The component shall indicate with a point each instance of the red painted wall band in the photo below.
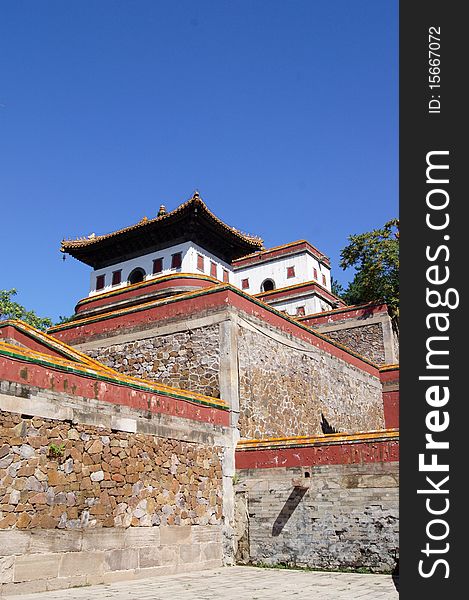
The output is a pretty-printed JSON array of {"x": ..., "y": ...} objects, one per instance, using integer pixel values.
[
  {"x": 184, "y": 307},
  {"x": 75, "y": 385},
  {"x": 311, "y": 456}
]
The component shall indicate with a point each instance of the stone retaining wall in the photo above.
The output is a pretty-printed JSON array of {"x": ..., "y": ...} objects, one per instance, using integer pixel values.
[
  {"x": 284, "y": 389},
  {"x": 187, "y": 360},
  {"x": 366, "y": 340},
  {"x": 81, "y": 504},
  {"x": 43, "y": 559},
  {"x": 346, "y": 518}
]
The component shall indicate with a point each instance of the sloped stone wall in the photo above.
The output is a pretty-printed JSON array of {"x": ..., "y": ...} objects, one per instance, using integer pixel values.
[
  {"x": 367, "y": 341},
  {"x": 187, "y": 360},
  {"x": 284, "y": 390}
]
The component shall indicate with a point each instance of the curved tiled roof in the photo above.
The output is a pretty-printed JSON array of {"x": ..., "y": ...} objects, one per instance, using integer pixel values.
[{"x": 249, "y": 242}]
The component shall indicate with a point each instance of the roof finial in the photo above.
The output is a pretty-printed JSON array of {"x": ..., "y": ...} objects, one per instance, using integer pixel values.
[
  {"x": 196, "y": 194},
  {"x": 162, "y": 210}
]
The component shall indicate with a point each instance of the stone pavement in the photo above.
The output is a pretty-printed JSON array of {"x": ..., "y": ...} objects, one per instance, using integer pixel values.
[{"x": 233, "y": 583}]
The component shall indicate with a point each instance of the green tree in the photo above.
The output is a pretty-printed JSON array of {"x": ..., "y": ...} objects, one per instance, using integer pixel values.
[
  {"x": 337, "y": 288},
  {"x": 9, "y": 309},
  {"x": 375, "y": 257}
]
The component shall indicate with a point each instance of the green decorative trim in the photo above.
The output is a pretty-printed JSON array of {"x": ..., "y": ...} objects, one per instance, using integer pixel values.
[
  {"x": 53, "y": 344},
  {"x": 87, "y": 372}
]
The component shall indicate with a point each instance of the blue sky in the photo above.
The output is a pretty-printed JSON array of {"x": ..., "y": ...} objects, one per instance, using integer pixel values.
[{"x": 283, "y": 114}]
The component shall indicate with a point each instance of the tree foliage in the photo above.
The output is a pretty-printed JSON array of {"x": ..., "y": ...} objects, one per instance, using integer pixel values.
[
  {"x": 337, "y": 288},
  {"x": 375, "y": 257},
  {"x": 9, "y": 309}
]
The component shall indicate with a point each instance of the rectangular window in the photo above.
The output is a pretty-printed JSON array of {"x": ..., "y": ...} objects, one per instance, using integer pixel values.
[
  {"x": 213, "y": 270},
  {"x": 290, "y": 272},
  {"x": 157, "y": 266},
  {"x": 176, "y": 260},
  {"x": 245, "y": 284},
  {"x": 116, "y": 277},
  {"x": 315, "y": 272},
  {"x": 226, "y": 276},
  {"x": 300, "y": 311},
  {"x": 100, "y": 282},
  {"x": 323, "y": 279},
  {"x": 200, "y": 263}
]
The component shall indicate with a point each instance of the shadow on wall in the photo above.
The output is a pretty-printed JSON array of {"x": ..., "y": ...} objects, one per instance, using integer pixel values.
[{"x": 288, "y": 509}]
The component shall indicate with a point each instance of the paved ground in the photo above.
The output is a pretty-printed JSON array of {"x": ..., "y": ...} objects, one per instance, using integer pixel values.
[{"x": 233, "y": 583}]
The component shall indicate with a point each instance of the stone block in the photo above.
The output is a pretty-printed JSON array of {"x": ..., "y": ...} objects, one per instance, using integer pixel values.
[
  {"x": 14, "y": 542},
  {"x": 177, "y": 534},
  {"x": 150, "y": 556},
  {"x": 36, "y": 566},
  {"x": 189, "y": 553},
  {"x": 211, "y": 551},
  {"x": 123, "y": 424},
  {"x": 103, "y": 539},
  {"x": 62, "y": 583},
  {"x": 169, "y": 555},
  {"x": 54, "y": 540},
  {"x": 121, "y": 560},
  {"x": 212, "y": 533},
  {"x": 137, "y": 537},
  {"x": 28, "y": 587},
  {"x": 81, "y": 563},
  {"x": 6, "y": 569}
]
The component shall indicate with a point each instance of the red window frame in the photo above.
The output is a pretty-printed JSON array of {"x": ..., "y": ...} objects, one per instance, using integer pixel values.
[
  {"x": 157, "y": 266},
  {"x": 315, "y": 273},
  {"x": 245, "y": 284},
  {"x": 176, "y": 260},
  {"x": 213, "y": 270},
  {"x": 226, "y": 276},
  {"x": 324, "y": 282},
  {"x": 290, "y": 272},
  {"x": 116, "y": 277},
  {"x": 200, "y": 263},
  {"x": 300, "y": 311}
]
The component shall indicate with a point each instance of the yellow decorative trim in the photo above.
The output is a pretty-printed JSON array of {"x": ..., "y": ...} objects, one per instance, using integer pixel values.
[
  {"x": 295, "y": 286},
  {"x": 393, "y": 367},
  {"x": 147, "y": 282},
  {"x": 195, "y": 198},
  {"x": 209, "y": 290},
  {"x": 275, "y": 248},
  {"x": 54, "y": 344},
  {"x": 342, "y": 309},
  {"x": 388, "y": 434},
  {"x": 112, "y": 377}
]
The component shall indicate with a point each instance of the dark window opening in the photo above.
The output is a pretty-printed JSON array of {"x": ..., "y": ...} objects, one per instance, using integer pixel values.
[
  {"x": 176, "y": 260},
  {"x": 315, "y": 271},
  {"x": 136, "y": 276},
  {"x": 324, "y": 280},
  {"x": 100, "y": 282},
  {"x": 116, "y": 277},
  {"x": 268, "y": 285},
  {"x": 157, "y": 266},
  {"x": 300, "y": 311}
]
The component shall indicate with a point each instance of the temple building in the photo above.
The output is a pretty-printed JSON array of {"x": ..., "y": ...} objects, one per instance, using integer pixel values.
[
  {"x": 211, "y": 402},
  {"x": 191, "y": 240}
]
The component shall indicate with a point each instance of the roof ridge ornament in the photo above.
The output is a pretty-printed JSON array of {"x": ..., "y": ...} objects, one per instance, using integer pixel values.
[{"x": 162, "y": 211}]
